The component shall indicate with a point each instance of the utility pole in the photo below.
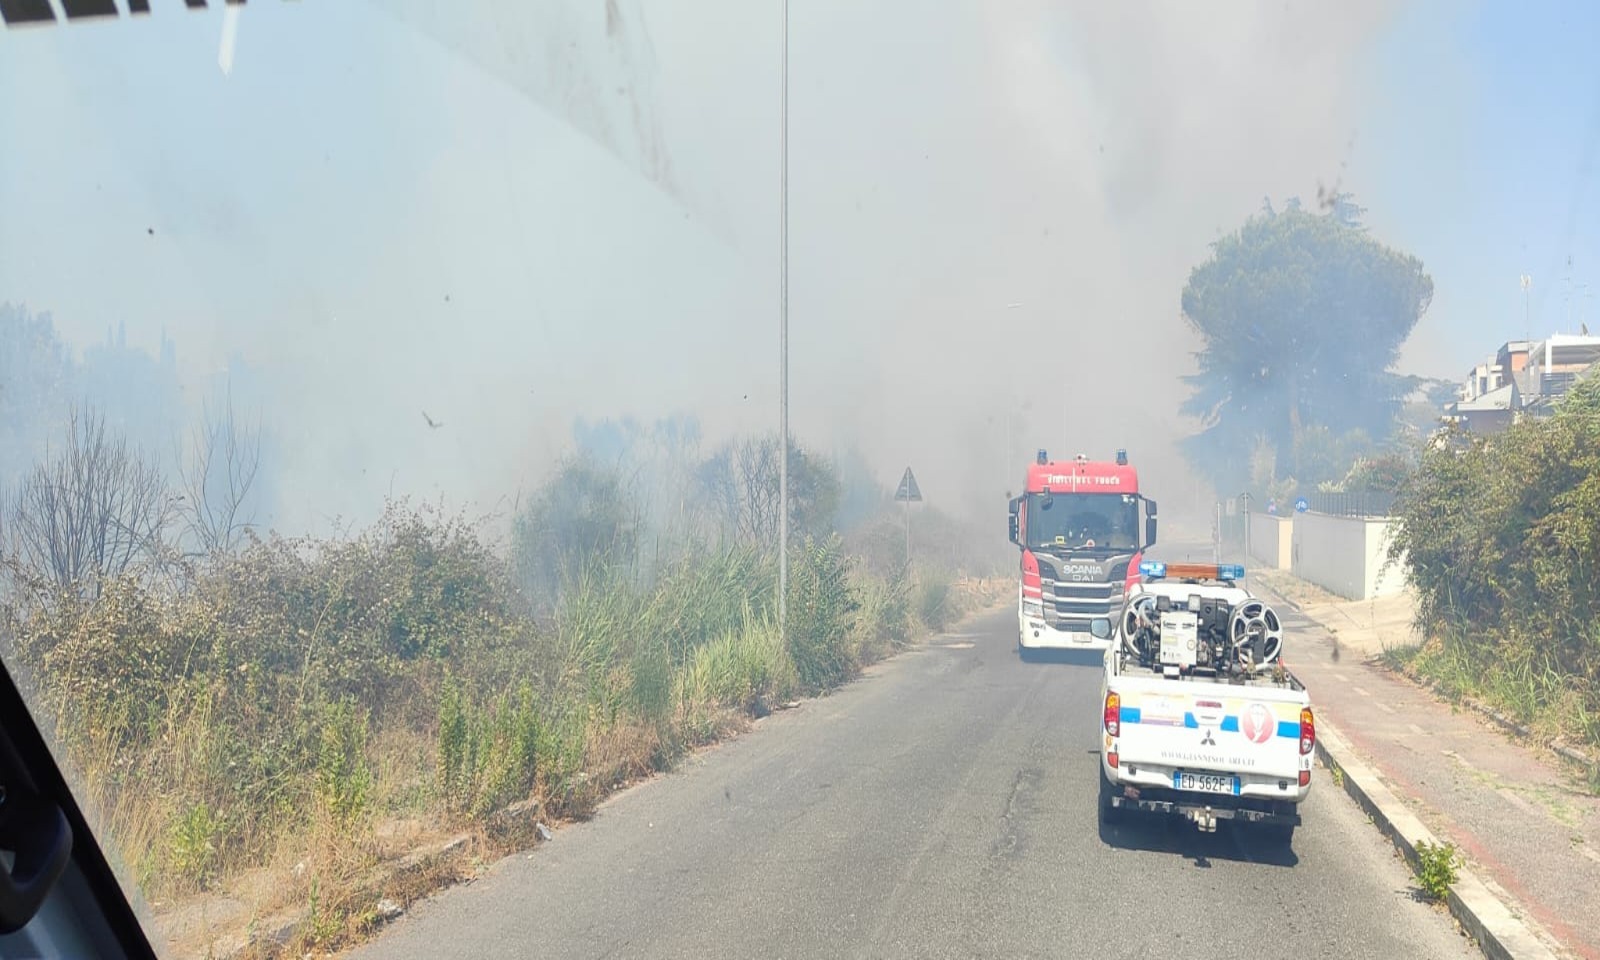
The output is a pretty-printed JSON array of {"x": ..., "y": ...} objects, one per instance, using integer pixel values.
[
  {"x": 1011, "y": 411},
  {"x": 1527, "y": 321},
  {"x": 783, "y": 328},
  {"x": 1244, "y": 500},
  {"x": 1006, "y": 483},
  {"x": 1216, "y": 533}
]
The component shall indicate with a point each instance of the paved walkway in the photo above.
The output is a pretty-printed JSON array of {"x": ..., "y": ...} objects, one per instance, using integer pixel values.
[{"x": 1520, "y": 815}]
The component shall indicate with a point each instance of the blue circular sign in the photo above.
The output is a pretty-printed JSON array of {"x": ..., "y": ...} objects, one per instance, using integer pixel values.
[{"x": 1301, "y": 505}]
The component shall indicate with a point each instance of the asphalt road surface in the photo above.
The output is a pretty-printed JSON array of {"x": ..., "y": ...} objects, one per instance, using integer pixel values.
[{"x": 942, "y": 806}]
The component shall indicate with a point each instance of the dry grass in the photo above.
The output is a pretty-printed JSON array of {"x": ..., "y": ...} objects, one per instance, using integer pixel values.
[{"x": 263, "y": 747}]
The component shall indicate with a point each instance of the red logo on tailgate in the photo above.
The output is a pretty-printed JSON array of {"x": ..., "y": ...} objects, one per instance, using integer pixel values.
[{"x": 1258, "y": 723}]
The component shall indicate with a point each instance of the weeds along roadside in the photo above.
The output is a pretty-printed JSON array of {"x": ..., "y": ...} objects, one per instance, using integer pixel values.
[{"x": 295, "y": 700}]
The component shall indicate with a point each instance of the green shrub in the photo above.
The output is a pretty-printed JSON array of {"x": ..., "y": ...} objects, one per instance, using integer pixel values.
[
  {"x": 1501, "y": 537},
  {"x": 489, "y": 755},
  {"x": 746, "y": 669},
  {"x": 935, "y": 605},
  {"x": 883, "y": 621},
  {"x": 510, "y": 751},
  {"x": 1438, "y": 868},
  {"x": 820, "y": 615},
  {"x": 457, "y": 747},
  {"x": 195, "y": 845},
  {"x": 343, "y": 776}
]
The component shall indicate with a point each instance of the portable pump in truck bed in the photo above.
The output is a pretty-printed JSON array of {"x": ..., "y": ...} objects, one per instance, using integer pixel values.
[{"x": 1213, "y": 629}]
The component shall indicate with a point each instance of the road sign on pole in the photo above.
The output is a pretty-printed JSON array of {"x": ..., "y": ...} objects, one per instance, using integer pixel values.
[
  {"x": 908, "y": 488},
  {"x": 906, "y": 493},
  {"x": 1301, "y": 505}
]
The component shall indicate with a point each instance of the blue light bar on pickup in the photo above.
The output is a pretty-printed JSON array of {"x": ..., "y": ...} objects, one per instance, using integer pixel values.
[{"x": 1157, "y": 569}]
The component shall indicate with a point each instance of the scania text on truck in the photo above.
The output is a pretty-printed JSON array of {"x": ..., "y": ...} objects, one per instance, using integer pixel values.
[
  {"x": 1078, "y": 527},
  {"x": 1201, "y": 718}
]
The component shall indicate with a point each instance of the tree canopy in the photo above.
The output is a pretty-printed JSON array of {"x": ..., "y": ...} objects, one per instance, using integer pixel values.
[{"x": 1302, "y": 316}]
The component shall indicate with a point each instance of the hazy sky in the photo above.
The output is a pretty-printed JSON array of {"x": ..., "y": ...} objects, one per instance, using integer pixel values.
[{"x": 551, "y": 208}]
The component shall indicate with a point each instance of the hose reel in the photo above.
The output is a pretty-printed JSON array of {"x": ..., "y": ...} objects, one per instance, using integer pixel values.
[
  {"x": 1240, "y": 638},
  {"x": 1256, "y": 633}
]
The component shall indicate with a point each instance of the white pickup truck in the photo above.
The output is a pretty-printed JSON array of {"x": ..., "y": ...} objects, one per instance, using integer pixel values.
[{"x": 1200, "y": 718}]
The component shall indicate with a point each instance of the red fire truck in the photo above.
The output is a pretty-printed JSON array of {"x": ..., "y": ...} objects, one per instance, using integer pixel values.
[{"x": 1078, "y": 526}]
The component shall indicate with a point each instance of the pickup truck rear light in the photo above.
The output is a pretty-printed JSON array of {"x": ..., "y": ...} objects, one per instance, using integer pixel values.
[
  {"x": 1113, "y": 717},
  {"x": 1308, "y": 731}
]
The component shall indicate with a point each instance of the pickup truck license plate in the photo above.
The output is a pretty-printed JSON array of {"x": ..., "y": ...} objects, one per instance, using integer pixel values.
[{"x": 1205, "y": 782}]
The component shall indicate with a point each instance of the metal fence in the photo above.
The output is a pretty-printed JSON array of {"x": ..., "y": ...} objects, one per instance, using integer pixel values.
[
  {"x": 1333, "y": 504},
  {"x": 1352, "y": 504}
]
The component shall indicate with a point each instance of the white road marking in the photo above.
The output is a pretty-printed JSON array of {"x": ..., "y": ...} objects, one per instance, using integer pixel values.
[
  {"x": 1458, "y": 758},
  {"x": 1520, "y": 802}
]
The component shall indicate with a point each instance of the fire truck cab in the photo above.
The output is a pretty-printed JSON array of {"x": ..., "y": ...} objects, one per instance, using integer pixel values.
[{"x": 1082, "y": 527}]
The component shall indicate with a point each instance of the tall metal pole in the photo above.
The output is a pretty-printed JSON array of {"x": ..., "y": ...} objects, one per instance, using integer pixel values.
[
  {"x": 1527, "y": 317},
  {"x": 1012, "y": 406},
  {"x": 1216, "y": 534},
  {"x": 1006, "y": 481},
  {"x": 783, "y": 327},
  {"x": 1245, "y": 503},
  {"x": 908, "y": 533}
]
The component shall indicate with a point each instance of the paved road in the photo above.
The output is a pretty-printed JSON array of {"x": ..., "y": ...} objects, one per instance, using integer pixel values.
[{"x": 944, "y": 806}]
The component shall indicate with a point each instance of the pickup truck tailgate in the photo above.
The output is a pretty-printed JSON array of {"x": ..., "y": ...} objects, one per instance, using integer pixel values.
[{"x": 1196, "y": 726}]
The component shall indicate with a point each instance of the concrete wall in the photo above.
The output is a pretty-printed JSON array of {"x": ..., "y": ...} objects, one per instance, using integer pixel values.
[
  {"x": 1271, "y": 540},
  {"x": 1345, "y": 555}
]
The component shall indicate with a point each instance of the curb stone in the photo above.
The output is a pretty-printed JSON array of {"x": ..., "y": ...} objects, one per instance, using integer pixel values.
[
  {"x": 283, "y": 925},
  {"x": 1272, "y": 589},
  {"x": 1491, "y": 922}
]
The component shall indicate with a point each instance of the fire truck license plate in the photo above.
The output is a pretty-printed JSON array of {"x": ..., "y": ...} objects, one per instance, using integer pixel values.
[{"x": 1205, "y": 782}]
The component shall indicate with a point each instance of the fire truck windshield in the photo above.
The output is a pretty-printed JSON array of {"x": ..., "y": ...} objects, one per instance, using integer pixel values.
[{"x": 1098, "y": 521}]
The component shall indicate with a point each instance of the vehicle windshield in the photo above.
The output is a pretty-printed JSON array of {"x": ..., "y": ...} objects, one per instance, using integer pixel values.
[
  {"x": 559, "y": 456},
  {"x": 1095, "y": 521}
]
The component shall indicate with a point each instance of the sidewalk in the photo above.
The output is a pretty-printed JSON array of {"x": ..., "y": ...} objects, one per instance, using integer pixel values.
[{"x": 1521, "y": 817}]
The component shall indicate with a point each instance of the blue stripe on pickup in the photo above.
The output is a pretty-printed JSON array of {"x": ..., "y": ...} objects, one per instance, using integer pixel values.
[{"x": 1230, "y": 723}]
